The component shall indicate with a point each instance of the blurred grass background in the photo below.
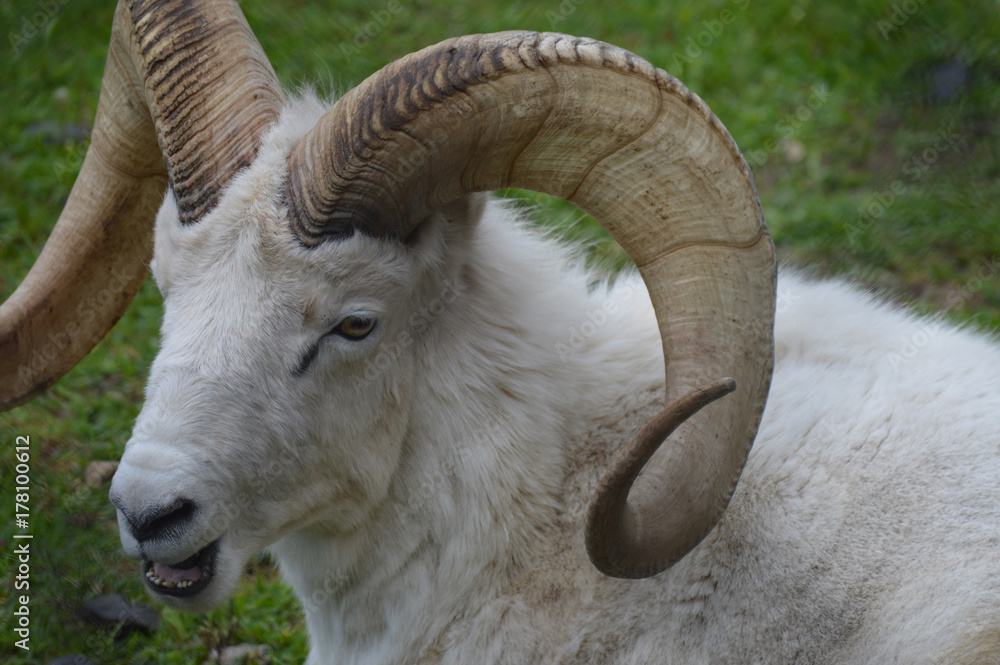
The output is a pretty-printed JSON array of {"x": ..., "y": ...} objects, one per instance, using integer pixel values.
[{"x": 870, "y": 128}]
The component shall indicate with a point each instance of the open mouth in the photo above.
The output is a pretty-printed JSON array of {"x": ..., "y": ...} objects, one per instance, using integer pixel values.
[{"x": 184, "y": 578}]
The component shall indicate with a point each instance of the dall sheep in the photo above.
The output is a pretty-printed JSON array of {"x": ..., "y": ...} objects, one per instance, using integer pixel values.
[{"x": 410, "y": 397}]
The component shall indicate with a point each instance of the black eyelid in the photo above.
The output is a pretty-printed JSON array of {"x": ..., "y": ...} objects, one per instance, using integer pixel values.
[
  {"x": 306, "y": 360},
  {"x": 310, "y": 355}
]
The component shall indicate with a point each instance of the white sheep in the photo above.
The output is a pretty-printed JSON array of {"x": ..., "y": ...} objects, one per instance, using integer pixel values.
[
  {"x": 411, "y": 401},
  {"x": 864, "y": 528}
]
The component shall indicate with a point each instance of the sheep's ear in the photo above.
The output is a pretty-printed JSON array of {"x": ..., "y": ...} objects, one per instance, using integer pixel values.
[
  {"x": 474, "y": 205},
  {"x": 462, "y": 215}
]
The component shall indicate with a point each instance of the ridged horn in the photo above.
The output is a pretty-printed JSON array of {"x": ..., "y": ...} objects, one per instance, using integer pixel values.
[
  {"x": 629, "y": 144},
  {"x": 187, "y": 93}
]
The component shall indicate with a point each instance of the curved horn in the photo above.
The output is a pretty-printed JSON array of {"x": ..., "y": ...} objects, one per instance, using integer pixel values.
[
  {"x": 629, "y": 144},
  {"x": 186, "y": 95}
]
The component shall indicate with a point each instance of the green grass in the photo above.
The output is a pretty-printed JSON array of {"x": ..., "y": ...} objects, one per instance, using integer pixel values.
[{"x": 833, "y": 110}]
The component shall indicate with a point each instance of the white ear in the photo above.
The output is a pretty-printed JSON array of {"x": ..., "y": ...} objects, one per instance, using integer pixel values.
[
  {"x": 164, "y": 230},
  {"x": 441, "y": 242}
]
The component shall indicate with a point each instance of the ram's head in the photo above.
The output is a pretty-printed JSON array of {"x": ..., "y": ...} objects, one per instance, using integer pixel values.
[{"x": 285, "y": 267}]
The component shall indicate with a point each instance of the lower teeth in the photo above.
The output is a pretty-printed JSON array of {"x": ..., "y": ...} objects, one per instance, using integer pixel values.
[{"x": 183, "y": 584}]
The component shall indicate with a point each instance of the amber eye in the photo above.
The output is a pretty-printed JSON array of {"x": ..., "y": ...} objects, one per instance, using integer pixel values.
[{"x": 355, "y": 327}]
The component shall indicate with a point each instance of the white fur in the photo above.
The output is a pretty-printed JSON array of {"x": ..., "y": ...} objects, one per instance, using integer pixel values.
[{"x": 424, "y": 489}]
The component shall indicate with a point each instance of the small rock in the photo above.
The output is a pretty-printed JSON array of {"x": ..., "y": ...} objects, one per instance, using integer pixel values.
[
  {"x": 240, "y": 654},
  {"x": 73, "y": 659},
  {"x": 114, "y": 610},
  {"x": 99, "y": 472},
  {"x": 794, "y": 150}
]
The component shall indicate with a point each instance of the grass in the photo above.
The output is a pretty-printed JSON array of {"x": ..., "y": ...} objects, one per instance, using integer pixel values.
[{"x": 866, "y": 166}]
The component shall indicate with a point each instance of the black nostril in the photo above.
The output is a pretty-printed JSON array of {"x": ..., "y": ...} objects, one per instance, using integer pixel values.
[{"x": 165, "y": 521}]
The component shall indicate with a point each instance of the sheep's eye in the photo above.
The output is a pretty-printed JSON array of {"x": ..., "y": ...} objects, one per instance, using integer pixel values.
[{"x": 355, "y": 327}]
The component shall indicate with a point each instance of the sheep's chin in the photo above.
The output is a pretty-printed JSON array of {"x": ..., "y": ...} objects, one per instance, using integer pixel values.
[{"x": 215, "y": 583}]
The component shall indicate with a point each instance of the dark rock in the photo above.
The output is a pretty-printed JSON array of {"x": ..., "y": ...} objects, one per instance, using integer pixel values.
[
  {"x": 52, "y": 132},
  {"x": 947, "y": 80},
  {"x": 112, "y": 611}
]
